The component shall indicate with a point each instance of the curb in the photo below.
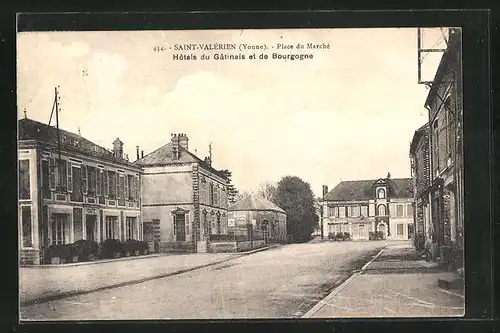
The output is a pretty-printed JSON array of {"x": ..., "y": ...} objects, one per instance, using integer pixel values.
[
  {"x": 96, "y": 262},
  {"x": 45, "y": 299},
  {"x": 338, "y": 289}
]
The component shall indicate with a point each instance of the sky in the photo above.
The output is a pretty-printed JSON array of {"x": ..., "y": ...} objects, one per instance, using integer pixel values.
[{"x": 347, "y": 114}]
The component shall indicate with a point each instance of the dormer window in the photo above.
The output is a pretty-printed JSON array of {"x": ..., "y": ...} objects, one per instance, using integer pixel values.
[{"x": 381, "y": 193}]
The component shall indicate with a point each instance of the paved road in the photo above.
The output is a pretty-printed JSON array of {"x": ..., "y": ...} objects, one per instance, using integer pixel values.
[{"x": 279, "y": 283}]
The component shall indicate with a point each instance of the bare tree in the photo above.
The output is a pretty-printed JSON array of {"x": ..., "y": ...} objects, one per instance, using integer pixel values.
[{"x": 268, "y": 190}]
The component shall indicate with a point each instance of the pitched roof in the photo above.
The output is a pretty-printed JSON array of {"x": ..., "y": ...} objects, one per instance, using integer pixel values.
[
  {"x": 29, "y": 129},
  {"x": 364, "y": 189},
  {"x": 423, "y": 130},
  {"x": 164, "y": 156},
  {"x": 252, "y": 202}
]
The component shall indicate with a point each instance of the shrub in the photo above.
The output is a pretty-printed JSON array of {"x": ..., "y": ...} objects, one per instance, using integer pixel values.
[
  {"x": 347, "y": 236},
  {"x": 371, "y": 235},
  {"x": 63, "y": 252},
  {"x": 339, "y": 236},
  {"x": 111, "y": 247},
  {"x": 86, "y": 249},
  {"x": 331, "y": 235},
  {"x": 143, "y": 247},
  {"x": 380, "y": 235},
  {"x": 131, "y": 247}
]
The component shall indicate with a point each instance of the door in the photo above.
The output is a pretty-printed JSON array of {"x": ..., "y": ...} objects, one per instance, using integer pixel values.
[
  {"x": 148, "y": 234},
  {"x": 90, "y": 223},
  {"x": 362, "y": 231},
  {"x": 382, "y": 228},
  {"x": 264, "y": 228},
  {"x": 410, "y": 231},
  {"x": 180, "y": 227}
]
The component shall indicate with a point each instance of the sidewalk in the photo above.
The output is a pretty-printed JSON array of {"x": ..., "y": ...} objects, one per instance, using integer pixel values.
[
  {"x": 396, "y": 284},
  {"x": 41, "y": 283}
]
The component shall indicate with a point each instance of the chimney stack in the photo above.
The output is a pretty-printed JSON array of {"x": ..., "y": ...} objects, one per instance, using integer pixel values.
[
  {"x": 325, "y": 190},
  {"x": 175, "y": 146},
  {"x": 388, "y": 175},
  {"x": 142, "y": 153},
  {"x": 183, "y": 140},
  {"x": 118, "y": 148},
  {"x": 137, "y": 149}
]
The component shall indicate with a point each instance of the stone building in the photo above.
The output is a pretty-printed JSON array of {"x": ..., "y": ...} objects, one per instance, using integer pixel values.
[
  {"x": 445, "y": 106},
  {"x": 72, "y": 191},
  {"x": 184, "y": 198},
  {"x": 363, "y": 206},
  {"x": 420, "y": 169}
]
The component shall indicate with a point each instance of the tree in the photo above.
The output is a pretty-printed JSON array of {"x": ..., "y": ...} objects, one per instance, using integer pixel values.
[
  {"x": 232, "y": 192},
  {"x": 268, "y": 190},
  {"x": 296, "y": 197}
]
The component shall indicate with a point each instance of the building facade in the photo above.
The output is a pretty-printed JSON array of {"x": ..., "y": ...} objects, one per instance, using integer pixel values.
[
  {"x": 184, "y": 198},
  {"x": 256, "y": 216},
  {"x": 420, "y": 170},
  {"x": 72, "y": 189},
  {"x": 362, "y": 207},
  {"x": 446, "y": 195}
]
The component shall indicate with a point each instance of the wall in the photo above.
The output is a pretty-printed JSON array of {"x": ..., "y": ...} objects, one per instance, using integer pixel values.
[
  {"x": 164, "y": 214},
  {"x": 167, "y": 185},
  {"x": 32, "y": 202},
  {"x": 220, "y": 189}
]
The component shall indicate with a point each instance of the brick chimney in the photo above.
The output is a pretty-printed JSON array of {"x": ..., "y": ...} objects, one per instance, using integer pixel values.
[
  {"x": 325, "y": 190},
  {"x": 137, "y": 148},
  {"x": 183, "y": 140},
  {"x": 118, "y": 148},
  {"x": 388, "y": 175},
  {"x": 175, "y": 146}
]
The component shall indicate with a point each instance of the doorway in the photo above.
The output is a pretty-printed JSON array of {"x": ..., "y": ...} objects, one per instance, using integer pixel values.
[
  {"x": 90, "y": 227},
  {"x": 264, "y": 227},
  {"x": 411, "y": 231},
  {"x": 180, "y": 227}
]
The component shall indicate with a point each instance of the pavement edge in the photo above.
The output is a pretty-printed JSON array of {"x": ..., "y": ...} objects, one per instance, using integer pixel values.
[
  {"x": 53, "y": 297},
  {"x": 338, "y": 289}
]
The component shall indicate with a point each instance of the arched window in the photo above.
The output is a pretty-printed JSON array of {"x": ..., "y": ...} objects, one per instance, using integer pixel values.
[
  {"x": 381, "y": 193},
  {"x": 382, "y": 210}
]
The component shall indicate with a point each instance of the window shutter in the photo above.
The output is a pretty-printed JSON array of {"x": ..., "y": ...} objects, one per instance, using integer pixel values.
[
  {"x": 137, "y": 188},
  {"x": 85, "y": 180},
  {"x": 98, "y": 182},
  {"x": 106, "y": 189},
  {"x": 52, "y": 173},
  {"x": 118, "y": 186},
  {"x": 69, "y": 168},
  {"x": 125, "y": 195}
]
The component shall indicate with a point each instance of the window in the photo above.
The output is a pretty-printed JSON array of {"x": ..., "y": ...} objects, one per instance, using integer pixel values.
[
  {"x": 131, "y": 187},
  {"x": 121, "y": 187},
  {"x": 342, "y": 211},
  {"x": 382, "y": 210},
  {"x": 400, "y": 229},
  {"x": 211, "y": 194},
  {"x": 92, "y": 181},
  {"x": 76, "y": 180},
  {"x": 435, "y": 144},
  {"x": 355, "y": 211},
  {"x": 61, "y": 175},
  {"x": 26, "y": 226},
  {"x": 99, "y": 182},
  {"x": 381, "y": 193},
  {"x": 112, "y": 184},
  {"x": 130, "y": 227},
  {"x": 59, "y": 222},
  {"x": 205, "y": 224},
  {"x": 409, "y": 210},
  {"x": 109, "y": 227},
  {"x": 218, "y": 225},
  {"x": 24, "y": 179},
  {"x": 45, "y": 179},
  {"x": 399, "y": 211},
  {"x": 85, "y": 178},
  {"x": 364, "y": 210}
]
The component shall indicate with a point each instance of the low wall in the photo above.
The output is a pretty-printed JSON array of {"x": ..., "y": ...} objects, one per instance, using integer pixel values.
[
  {"x": 219, "y": 247},
  {"x": 177, "y": 247}
]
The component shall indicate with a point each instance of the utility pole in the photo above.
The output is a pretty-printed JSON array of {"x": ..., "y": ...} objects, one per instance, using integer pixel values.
[{"x": 321, "y": 221}]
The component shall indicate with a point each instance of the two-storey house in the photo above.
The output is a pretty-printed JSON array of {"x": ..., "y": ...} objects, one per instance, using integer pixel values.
[
  {"x": 72, "y": 189},
  {"x": 363, "y": 206},
  {"x": 184, "y": 198}
]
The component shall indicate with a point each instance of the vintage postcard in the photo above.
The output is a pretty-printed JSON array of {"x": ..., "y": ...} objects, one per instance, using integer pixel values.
[{"x": 236, "y": 174}]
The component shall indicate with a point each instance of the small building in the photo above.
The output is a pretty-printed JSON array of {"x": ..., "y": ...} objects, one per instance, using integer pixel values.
[
  {"x": 361, "y": 207},
  {"x": 72, "y": 189},
  {"x": 254, "y": 216},
  {"x": 420, "y": 169},
  {"x": 185, "y": 199}
]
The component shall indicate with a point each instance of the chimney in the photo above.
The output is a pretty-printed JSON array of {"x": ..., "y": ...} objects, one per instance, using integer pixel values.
[
  {"x": 137, "y": 149},
  {"x": 183, "y": 140},
  {"x": 118, "y": 148},
  {"x": 142, "y": 153},
  {"x": 208, "y": 161},
  {"x": 388, "y": 175},
  {"x": 175, "y": 146},
  {"x": 325, "y": 190}
]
